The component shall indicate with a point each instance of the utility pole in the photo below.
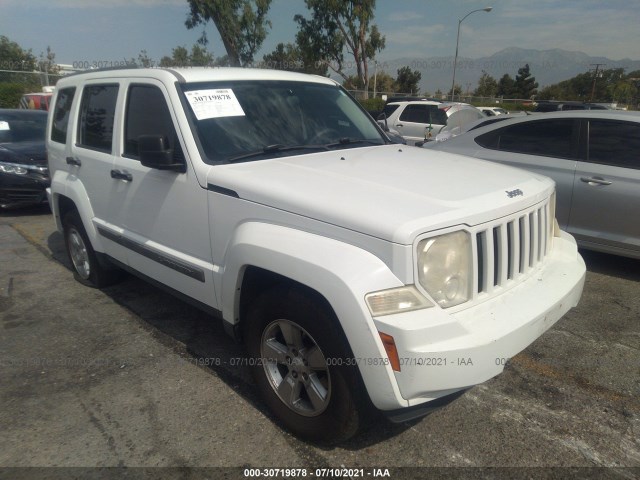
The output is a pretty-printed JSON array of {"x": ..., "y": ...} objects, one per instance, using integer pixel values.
[
  {"x": 375, "y": 79},
  {"x": 595, "y": 76}
]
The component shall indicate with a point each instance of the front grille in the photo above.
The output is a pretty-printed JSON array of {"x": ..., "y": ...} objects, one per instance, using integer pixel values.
[{"x": 510, "y": 248}]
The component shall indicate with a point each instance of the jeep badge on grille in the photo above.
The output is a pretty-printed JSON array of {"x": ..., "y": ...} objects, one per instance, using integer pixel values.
[{"x": 514, "y": 193}]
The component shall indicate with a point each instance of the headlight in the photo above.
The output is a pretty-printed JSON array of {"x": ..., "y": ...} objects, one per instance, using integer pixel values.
[
  {"x": 445, "y": 268},
  {"x": 13, "y": 168},
  {"x": 396, "y": 300}
]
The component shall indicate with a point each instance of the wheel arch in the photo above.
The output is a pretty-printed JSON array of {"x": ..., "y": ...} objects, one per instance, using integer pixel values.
[
  {"x": 68, "y": 196},
  {"x": 261, "y": 256}
]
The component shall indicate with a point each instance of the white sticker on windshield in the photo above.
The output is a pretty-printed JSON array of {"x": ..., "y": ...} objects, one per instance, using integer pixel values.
[
  {"x": 214, "y": 103},
  {"x": 4, "y": 125}
]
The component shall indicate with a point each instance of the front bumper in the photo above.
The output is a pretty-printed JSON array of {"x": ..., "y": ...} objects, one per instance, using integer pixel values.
[
  {"x": 443, "y": 352},
  {"x": 17, "y": 191}
]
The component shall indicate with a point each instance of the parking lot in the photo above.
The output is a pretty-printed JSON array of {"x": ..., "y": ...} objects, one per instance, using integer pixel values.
[{"x": 129, "y": 376}]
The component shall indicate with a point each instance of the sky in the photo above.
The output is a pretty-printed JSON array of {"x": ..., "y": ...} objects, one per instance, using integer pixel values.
[{"x": 114, "y": 30}]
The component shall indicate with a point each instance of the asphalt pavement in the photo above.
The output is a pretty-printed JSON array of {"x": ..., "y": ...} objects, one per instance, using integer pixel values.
[{"x": 129, "y": 376}]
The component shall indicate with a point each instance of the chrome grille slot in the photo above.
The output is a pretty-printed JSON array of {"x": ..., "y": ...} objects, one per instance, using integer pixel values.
[{"x": 510, "y": 248}]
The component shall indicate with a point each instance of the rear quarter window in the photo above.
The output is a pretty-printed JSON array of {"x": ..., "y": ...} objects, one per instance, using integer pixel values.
[{"x": 60, "y": 122}]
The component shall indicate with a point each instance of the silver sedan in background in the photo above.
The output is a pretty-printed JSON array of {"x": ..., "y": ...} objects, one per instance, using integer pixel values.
[{"x": 594, "y": 158}]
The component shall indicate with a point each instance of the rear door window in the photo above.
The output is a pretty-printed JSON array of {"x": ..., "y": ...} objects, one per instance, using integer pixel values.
[
  {"x": 60, "y": 122},
  {"x": 97, "y": 114},
  {"x": 549, "y": 138},
  {"x": 614, "y": 143}
]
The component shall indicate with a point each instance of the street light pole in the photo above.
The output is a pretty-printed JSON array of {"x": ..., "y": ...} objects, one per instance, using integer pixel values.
[{"x": 455, "y": 59}]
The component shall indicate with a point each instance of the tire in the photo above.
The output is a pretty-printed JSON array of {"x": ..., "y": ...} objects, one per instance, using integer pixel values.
[
  {"x": 299, "y": 358},
  {"x": 87, "y": 269}
]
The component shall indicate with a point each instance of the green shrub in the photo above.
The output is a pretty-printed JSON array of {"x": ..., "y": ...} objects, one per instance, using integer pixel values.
[
  {"x": 372, "y": 104},
  {"x": 10, "y": 94}
]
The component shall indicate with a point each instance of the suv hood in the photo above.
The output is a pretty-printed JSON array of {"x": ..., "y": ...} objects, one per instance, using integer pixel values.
[{"x": 391, "y": 192}]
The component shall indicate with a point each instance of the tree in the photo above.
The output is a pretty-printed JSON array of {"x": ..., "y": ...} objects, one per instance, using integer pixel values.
[
  {"x": 15, "y": 59},
  {"x": 506, "y": 86},
  {"x": 290, "y": 57},
  {"x": 382, "y": 81},
  {"x": 525, "y": 83},
  {"x": 181, "y": 57},
  {"x": 144, "y": 60},
  {"x": 47, "y": 63},
  {"x": 487, "y": 86},
  {"x": 610, "y": 85},
  {"x": 336, "y": 26},
  {"x": 457, "y": 91},
  {"x": 242, "y": 25},
  {"x": 407, "y": 80}
]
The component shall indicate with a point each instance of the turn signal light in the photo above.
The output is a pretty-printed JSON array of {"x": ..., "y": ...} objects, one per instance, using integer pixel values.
[{"x": 392, "y": 352}]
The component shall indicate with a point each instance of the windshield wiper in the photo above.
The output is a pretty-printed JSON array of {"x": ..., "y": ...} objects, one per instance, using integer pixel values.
[
  {"x": 275, "y": 149},
  {"x": 352, "y": 141}
]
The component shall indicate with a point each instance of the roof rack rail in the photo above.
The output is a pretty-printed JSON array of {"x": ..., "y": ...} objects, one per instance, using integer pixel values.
[{"x": 130, "y": 66}]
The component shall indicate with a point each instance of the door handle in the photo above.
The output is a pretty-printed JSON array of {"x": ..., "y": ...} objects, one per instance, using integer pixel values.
[
  {"x": 399, "y": 125},
  {"x": 121, "y": 175},
  {"x": 74, "y": 161},
  {"x": 595, "y": 181}
]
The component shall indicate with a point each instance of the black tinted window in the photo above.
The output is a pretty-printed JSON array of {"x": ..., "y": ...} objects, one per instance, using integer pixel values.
[
  {"x": 96, "y": 116},
  {"x": 147, "y": 114},
  {"x": 389, "y": 109},
  {"x": 549, "y": 138},
  {"x": 424, "y": 114},
  {"x": 61, "y": 111},
  {"x": 614, "y": 143}
]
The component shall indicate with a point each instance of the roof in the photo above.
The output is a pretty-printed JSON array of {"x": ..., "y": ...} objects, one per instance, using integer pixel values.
[
  {"x": 416, "y": 102},
  {"x": 506, "y": 120},
  {"x": 196, "y": 74},
  {"x": 612, "y": 114}
]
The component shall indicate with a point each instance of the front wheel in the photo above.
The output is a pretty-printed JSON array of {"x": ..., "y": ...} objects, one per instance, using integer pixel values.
[
  {"x": 302, "y": 365},
  {"x": 86, "y": 267}
]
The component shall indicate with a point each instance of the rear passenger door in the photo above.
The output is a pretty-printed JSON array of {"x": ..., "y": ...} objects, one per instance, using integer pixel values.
[
  {"x": 91, "y": 159},
  {"x": 606, "y": 193},
  {"x": 162, "y": 214}
]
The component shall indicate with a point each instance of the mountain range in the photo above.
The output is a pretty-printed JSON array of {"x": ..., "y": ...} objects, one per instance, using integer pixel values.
[{"x": 547, "y": 66}]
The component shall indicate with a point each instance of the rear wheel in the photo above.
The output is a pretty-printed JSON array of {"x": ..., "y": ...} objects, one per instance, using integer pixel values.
[
  {"x": 86, "y": 267},
  {"x": 303, "y": 367}
]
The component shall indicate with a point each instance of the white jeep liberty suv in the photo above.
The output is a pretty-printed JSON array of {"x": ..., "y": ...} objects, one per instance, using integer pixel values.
[{"x": 359, "y": 273}]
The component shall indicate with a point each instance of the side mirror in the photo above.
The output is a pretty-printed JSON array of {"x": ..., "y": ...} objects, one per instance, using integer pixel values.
[
  {"x": 155, "y": 153},
  {"x": 382, "y": 121}
]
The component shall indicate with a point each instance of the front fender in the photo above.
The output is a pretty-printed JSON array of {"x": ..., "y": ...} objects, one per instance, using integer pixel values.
[{"x": 342, "y": 273}]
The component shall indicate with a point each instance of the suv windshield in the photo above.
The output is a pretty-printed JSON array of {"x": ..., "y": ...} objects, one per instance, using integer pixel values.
[
  {"x": 253, "y": 120},
  {"x": 27, "y": 126}
]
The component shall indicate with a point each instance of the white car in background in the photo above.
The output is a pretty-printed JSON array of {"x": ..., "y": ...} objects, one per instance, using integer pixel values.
[
  {"x": 420, "y": 121},
  {"x": 493, "y": 111}
]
